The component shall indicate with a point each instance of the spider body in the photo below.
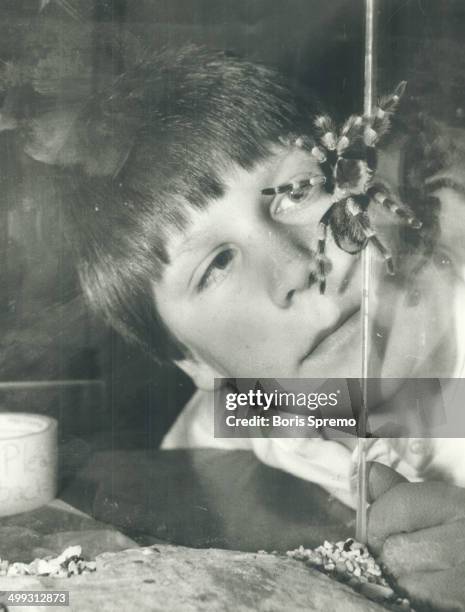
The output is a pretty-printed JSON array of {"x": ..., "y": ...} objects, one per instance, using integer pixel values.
[{"x": 348, "y": 159}]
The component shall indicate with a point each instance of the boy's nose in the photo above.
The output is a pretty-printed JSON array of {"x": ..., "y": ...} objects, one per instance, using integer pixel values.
[
  {"x": 286, "y": 293},
  {"x": 292, "y": 272}
]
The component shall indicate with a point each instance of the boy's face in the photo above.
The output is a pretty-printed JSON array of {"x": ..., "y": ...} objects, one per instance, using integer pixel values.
[{"x": 241, "y": 292}]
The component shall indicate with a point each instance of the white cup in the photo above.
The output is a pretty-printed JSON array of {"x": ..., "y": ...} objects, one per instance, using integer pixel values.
[{"x": 28, "y": 461}]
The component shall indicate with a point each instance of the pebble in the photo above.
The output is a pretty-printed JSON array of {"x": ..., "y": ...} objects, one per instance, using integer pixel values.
[
  {"x": 340, "y": 567},
  {"x": 68, "y": 563},
  {"x": 377, "y": 591},
  {"x": 350, "y": 566},
  {"x": 351, "y": 562},
  {"x": 329, "y": 566}
]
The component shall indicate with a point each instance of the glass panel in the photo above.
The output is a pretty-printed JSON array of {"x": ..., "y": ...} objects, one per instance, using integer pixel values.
[{"x": 415, "y": 313}]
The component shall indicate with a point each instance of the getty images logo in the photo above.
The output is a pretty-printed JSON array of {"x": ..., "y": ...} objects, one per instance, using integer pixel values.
[{"x": 263, "y": 399}]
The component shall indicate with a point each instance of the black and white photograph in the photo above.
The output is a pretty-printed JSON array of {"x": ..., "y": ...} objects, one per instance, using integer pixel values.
[{"x": 232, "y": 305}]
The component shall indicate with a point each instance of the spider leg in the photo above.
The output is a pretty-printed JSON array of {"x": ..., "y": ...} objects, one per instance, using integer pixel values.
[
  {"x": 295, "y": 185},
  {"x": 321, "y": 250},
  {"x": 326, "y": 131},
  {"x": 326, "y": 158},
  {"x": 363, "y": 222},
  {"x": 389, "y": 103},
  {"x": 383, "y": 197},
  {"x": 309, "y": 144},
  {"x": 378, "y": 124},
  {"x": 352, "y": 131}
]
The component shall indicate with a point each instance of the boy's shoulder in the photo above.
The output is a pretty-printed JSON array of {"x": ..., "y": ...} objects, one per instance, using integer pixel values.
[{"x": 192, "y": 425}]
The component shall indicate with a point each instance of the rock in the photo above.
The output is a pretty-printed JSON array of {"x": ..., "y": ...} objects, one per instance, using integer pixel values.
[
  {"x": 166, "y": 578},
  {"x": 92, "y": 543}
]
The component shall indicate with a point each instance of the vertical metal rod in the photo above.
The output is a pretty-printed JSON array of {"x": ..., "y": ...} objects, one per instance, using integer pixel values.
[
  {"x": 368, "y": 99},
  {"x": 370, "y": 57}
]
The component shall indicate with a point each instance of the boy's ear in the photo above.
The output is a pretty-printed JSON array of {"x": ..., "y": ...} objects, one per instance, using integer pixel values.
[{"x": 201, "y": 373}]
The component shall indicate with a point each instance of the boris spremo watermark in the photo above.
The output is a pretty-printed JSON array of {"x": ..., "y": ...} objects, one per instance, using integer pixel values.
[{"x": 315, "y": 407}]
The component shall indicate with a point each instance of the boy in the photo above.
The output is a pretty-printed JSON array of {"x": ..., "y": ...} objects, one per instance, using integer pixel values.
[{"x": 179, "y": 249}]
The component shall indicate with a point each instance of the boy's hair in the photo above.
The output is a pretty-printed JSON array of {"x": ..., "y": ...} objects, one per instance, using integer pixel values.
[{"x": 150, "y": 148}]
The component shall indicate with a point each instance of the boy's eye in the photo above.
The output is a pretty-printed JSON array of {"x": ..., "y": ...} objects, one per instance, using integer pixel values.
[
  {"x": 296, "y": 195},
  {"x": 300, "y": 190},
  {"x": 216, "y": 269},
  {"x": 299, "y": 194}
]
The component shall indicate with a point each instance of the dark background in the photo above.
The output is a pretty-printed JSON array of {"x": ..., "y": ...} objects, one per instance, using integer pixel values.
[{"x": 54, "y": 357}]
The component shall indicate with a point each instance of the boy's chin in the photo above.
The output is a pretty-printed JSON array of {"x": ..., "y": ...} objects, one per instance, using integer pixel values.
[{"x": 346, "y": 363}]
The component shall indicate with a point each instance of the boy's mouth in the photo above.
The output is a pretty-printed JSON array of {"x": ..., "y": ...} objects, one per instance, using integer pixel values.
[{"x": 346, "y": 329}]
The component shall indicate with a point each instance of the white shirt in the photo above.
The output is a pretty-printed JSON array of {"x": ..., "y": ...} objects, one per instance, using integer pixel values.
[{"x": 327, "y": 463}]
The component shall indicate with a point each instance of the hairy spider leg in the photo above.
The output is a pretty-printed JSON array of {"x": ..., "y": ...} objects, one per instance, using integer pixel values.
[
  {"x": 389, "y": 103},
  {"x": 361, "y": 218},
  {"x": 318, "y": 179},
  {"x": 277, "y": 190},
  {"x": 321, "y": 250},
  {"x": 323, "y": 149},
  {"x": 351, "y": 131},
  {"x": 326, "y": 131},
  {"x": 377, "y": 125},
  {"x": 381, "y": 195},
  {"x": 325, "y": 157}
]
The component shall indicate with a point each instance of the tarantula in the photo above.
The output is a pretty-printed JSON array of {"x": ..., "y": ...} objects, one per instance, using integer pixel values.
[{"x": 348, "y": 161}]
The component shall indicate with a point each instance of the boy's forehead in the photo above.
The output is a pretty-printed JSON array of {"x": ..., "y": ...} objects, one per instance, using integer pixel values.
[{"x": 281, "y": 165}]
